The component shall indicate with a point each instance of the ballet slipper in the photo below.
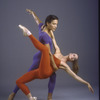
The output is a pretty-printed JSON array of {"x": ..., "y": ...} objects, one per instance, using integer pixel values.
[
  {"x": 33, "y": 98},
  {"x": 26, "y": 32}
]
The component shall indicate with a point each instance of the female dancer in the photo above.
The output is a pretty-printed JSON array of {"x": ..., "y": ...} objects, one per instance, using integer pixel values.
[
  {"x": 50, "y": 24},
  {"x": 46, "y": 68}
]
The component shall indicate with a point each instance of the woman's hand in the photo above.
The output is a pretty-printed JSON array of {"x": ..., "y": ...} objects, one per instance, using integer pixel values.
[
  {"x": 53, "y": 63},
  {"x": 90, "y": 88},
  {"x": 55, "y": 68}
]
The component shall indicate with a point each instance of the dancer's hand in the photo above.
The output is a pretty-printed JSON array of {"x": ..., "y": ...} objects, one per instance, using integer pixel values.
[
  {"x": 53, "y": 62},
  {"x": 29, "y": 11},
  {"x": 90, "y": 88}
]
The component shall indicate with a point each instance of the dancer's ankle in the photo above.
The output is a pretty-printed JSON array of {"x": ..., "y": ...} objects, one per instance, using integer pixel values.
[
  {"x": 29, "y": 33},
  {"x": 29, "y": 96}
]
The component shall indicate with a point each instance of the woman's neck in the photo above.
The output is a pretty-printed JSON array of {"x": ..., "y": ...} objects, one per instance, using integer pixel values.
[
  {"x": 61, "y": 57},
  {"x": 67, "y": 58}
]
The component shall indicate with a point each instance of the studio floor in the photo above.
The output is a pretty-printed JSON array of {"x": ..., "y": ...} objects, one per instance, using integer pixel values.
[{"x": 76, "y": 93}]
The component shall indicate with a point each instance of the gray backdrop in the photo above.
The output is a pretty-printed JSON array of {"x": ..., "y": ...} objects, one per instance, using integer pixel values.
[{"x": 77, "y": 32}]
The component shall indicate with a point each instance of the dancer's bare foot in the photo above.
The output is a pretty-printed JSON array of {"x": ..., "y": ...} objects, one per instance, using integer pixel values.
[
  {"x": 49, "y": 99},
  {"x": 26, "y": 32},
  {"x": 49, "y": 96},
  {"x": 11, "y": 96}
]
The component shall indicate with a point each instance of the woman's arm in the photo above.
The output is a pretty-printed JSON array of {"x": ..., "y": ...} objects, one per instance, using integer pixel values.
[
  {"x": 57, "y": 49},
  {"x": 70, "y": 72},
  {"x": 51, "y": 58},
  {"x": 38, "y": 21}
]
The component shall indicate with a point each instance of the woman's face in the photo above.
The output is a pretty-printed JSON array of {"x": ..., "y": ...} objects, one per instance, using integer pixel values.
[
  {"x": 72, "y": 56},
  {"x": 53, "y": 25}
]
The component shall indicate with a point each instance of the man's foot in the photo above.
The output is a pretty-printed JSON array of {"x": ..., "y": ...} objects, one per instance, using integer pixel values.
[
  {"x": 26, "y": 32},
  {"x": 49, "y": 96},
  {"x": 49, "y": 99},
  {"x": 11, "y": 96}
]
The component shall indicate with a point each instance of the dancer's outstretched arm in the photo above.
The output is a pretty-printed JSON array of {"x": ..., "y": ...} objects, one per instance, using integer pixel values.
[
  {"x": 71, "y": 73},
  {"x": 38, "y": 21}
]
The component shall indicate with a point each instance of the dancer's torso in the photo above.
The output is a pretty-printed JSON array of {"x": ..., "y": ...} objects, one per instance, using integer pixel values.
[{"x": 44, "y": 38}]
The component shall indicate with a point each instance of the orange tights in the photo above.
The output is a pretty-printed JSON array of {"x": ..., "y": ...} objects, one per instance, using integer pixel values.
[{"x": 45, "y": 70}]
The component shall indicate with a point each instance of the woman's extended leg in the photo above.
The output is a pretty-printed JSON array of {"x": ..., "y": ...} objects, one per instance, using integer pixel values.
[
  {"x": 45, "y": 52},
  {"x": 43, "y": 71}
]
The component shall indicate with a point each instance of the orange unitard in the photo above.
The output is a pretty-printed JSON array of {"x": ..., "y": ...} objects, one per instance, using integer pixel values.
[{"x": 45, "y": 70}]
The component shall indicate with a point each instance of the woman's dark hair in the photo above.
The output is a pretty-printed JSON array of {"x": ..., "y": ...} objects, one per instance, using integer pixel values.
[
  {"x": 50, "y": 18},
  {"x": 75, "y": 66}
]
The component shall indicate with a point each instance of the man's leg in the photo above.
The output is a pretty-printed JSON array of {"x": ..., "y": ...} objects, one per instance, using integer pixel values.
[{"x": 51, "y": 85}]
